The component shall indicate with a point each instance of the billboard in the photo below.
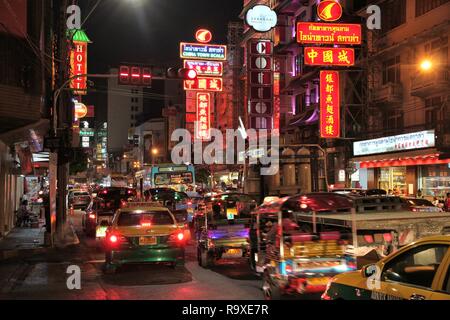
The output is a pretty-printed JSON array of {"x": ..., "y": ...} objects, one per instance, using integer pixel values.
[{"x": 329, "y": 33}]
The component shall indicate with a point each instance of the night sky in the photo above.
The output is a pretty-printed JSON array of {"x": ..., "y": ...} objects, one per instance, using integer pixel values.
[{"x": 147, "y": 31}]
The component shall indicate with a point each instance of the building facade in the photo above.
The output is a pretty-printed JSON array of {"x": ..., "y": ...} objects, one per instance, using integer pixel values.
[{"x": 408, "y": 101}]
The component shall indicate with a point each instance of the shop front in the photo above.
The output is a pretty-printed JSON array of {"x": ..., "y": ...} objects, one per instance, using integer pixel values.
[{"x": 415, "y": 166}]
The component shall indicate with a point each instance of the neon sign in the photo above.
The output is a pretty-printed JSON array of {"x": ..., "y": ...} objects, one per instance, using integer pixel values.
[
  {"x": 203, "y": 116},
  {"x": 329, "y": 10},
  {"x": 204, "y": 84},
  {"x": 329, "y": 33},
  {"x": 320, "y": 56},
  {"x": 203, "y": 51},
  {"x": 205, "y": 68},
  {"x": 329, "y": 105},
  {"x": 203, "y": 36},
  {"x": 78, "y": 66}
]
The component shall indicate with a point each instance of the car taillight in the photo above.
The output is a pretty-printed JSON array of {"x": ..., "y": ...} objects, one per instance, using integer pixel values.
[
  {"x": 92, "y": 216},
  {"x": 180, "y": 236},
  {"x": 113, "y": 238},
  {"x": 105, "y": 191},
  {"x": 189, "y": 203}
]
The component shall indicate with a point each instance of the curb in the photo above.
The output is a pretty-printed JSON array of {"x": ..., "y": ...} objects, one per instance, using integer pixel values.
[{"x": 21, "y": 253}]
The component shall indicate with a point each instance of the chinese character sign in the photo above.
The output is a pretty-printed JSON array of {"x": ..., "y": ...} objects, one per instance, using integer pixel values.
[
  {"x": 329, "y": 105},
  {"x": 320, "y": 56},
  {"x": 203, "y": 116},
  {"x": 204, "y": 84},
  {"x": 78, "y": 66},
  {"x": 205, "y": 68}
]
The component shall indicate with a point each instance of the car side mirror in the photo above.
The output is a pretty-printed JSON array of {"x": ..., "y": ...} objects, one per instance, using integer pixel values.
[{"x": 369, "y": 270}]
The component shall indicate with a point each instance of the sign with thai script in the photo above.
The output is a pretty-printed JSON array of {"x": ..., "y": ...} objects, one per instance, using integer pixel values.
[
  {"x": 203, "y": 51},
  {"x": 329, "y": 33},
  {"x": 205, "y": 68},
  {"x": 409, "y": 141}
]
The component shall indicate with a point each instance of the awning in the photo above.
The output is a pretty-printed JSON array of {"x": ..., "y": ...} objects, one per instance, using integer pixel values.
[
  {"x": 27, "y": 133},
  {"x": 306, "y": 118},
  {"x": 429, "y": 159}
]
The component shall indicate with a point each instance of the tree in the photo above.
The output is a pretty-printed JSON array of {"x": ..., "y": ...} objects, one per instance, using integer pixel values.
[
  {"x": 79, "y": 162},
  {"x": 202, "y": 175}
]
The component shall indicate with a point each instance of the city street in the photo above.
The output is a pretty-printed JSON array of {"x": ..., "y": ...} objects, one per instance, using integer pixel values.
[{"x": 44, "y": 277}]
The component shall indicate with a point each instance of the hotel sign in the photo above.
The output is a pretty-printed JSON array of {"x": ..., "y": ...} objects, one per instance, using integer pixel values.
[
  {"x": 321, "y": 56},
  {"x": 329, "y": 33},
  {"x": 409, "y": 141},
  {"x": 78, "y": 66},
  {"x": 329, "y": 105},
  {"x": 203, "y": 51}
]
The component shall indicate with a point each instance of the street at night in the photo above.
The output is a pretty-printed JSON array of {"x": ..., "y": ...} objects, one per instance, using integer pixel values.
[{"x": 208, "y": 151}]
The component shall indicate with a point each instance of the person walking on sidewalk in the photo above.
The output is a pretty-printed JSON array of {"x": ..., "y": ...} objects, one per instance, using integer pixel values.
[
  {"x": 447, "y": 203},
  {"x": 23, "y": 216}
]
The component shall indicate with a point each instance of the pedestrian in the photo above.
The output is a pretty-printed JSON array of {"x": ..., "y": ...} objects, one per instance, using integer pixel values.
[
  {"x": 390, "y": 193},
  {"x": 419, "y": 194},
  {"x": 447, "y": 203}
]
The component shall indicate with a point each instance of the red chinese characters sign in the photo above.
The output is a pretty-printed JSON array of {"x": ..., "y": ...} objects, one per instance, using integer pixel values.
[
  {"x": 203, "y": 116},
  {"x": 329, "y": 33},
  {"x": 78, "y": 66},
  {"x": 204, "y": 84},
  {"x": 329, "y": 105},
  {"x": 320, "y": 56},
  {"x": 205, "y": 68}
]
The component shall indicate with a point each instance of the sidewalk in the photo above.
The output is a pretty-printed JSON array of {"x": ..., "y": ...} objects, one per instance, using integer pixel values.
[{"x": 21, "y": 242}]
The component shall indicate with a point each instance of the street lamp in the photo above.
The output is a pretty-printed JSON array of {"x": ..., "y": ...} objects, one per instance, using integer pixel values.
[{"x": 426, "y": 65}]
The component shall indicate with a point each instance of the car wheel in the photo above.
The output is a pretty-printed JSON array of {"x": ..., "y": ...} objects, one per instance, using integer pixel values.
[{"x": 206, "y": 259}]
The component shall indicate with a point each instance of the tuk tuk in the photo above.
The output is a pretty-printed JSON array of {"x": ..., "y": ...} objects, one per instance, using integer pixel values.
[
  {"x": 222, "y": 233},
  {"x": 291, "y": 260}
]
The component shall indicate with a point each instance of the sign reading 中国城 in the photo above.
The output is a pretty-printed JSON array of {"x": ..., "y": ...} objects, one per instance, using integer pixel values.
[
  {"x": 321, "y": 56},
  {"x": 205, "y": 68},
  {"x": 329, "y": 33},
  {"x": 409, "y": 141},
  {"x": 261, "y": 18},
  {"x": 204, "y": 84},
  {"x": 203, "y": 51},
  {"x": 330, "y": 127},
  {"x": 203, "y": 116}
]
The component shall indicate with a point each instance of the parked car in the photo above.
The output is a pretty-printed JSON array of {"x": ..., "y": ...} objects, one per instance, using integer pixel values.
[{"x": 421, "y": 205}]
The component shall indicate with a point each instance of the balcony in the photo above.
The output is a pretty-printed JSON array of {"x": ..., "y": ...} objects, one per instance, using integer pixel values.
[
  {"x": 390, "y": 93},
  {"x": 425, "y": 85}
]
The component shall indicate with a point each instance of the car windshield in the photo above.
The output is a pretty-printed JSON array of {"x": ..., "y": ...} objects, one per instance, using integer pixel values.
[
  {"x": 420, "y": 202},
  {"x": 136, "y": 218}
]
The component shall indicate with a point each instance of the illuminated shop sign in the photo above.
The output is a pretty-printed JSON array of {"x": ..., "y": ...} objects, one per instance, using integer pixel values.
[
  {"x": 320, "y": 56},
  {"x": 203, "y": 116},
  {"x": 261, "y": 18},
  {"x": 205, "y": 68},
  {"x": 78, "y": 66},
  {"x": 329, "y": 105},
  {"x": 203, "y": 36},
  {"x": 203, "y": 51},
  {"x": 328, "y": 33},
  {"x": 329, "y": 10},
  {"x": 204, "y": 84},
  {"x": 409, "y": 141}
]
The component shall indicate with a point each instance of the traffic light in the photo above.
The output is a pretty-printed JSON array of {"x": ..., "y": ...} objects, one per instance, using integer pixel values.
[
  {"x": 183, "y": 73},
  {"x": 135, "y": 76}
]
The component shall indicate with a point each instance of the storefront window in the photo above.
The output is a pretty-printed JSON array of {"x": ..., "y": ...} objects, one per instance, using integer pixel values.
[
  {"x": 394, "y": 179},
  {"x": 436, "y": 180}
]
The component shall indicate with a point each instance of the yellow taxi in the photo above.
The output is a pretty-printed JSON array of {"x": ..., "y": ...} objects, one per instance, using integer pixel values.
[
  {"x": 144, "y": 232},
  {"x": 419, "y": 271}
]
